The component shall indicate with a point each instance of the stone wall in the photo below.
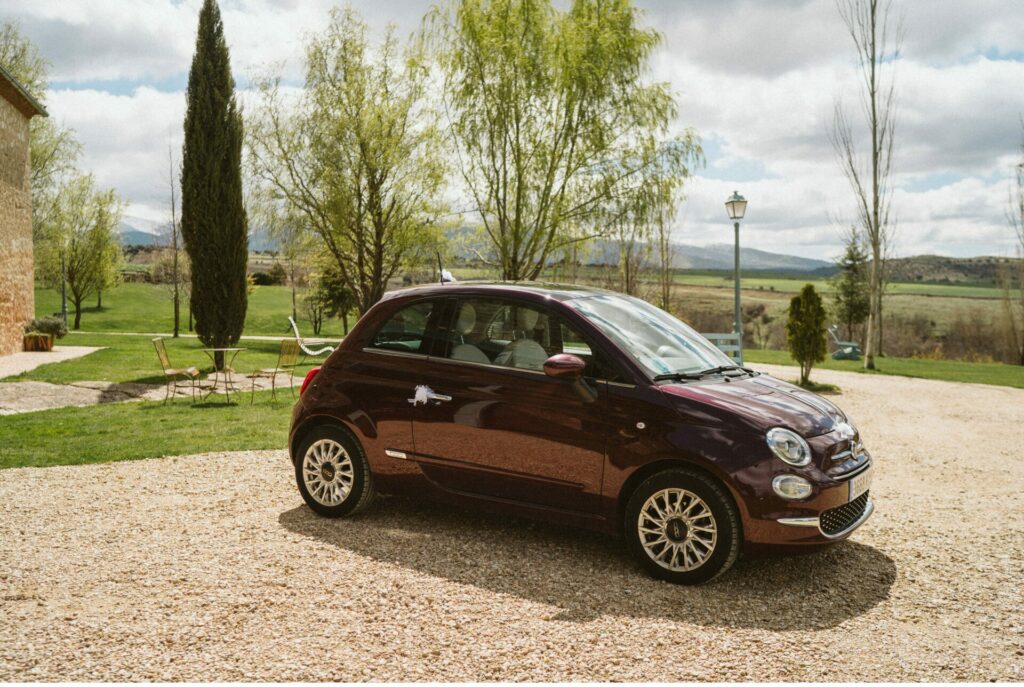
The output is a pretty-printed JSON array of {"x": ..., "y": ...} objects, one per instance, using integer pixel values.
[{"x": 17, "y": 300}]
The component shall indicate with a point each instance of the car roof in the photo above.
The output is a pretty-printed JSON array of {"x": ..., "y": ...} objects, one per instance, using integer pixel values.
[{"x": 559, "y": 292}]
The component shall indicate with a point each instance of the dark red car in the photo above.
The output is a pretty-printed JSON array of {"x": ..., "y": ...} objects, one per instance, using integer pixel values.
[{"x": 581, "y": 407}]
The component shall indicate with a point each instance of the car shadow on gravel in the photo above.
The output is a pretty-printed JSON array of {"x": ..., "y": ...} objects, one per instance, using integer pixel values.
[{"x": 586, "y": 575}]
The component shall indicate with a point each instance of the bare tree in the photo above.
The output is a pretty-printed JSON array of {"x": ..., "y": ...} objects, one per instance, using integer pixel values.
[
  {"x": 1013, "y": 270},
  {"x": 877, "y": 37},
  {"x": 175, "y": 234}
]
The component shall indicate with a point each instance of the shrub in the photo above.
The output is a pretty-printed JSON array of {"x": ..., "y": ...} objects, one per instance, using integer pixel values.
[
  {"x": 277, "y": 274},
  {"x": 805, "y": 330},
  {"x": 49, "y": 325}
]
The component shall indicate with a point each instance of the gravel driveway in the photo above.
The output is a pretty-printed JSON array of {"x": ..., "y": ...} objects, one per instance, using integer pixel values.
[{"x": 210, "y": 568}]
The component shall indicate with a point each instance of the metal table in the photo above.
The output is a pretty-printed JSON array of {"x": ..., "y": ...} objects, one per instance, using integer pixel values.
[{"x": 230, "y": 353}]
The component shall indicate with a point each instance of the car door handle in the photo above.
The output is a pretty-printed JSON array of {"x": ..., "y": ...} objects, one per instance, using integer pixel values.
[{"x": 424, "y": 394}]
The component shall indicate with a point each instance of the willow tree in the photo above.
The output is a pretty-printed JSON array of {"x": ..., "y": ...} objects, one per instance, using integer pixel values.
[
  {"x": 639, "y": 217},
  {"x": 213, "y": 219},
  {"x": 78, "y": 240},
  {"x": 544, "y": 108},
  {"x": 355, "y": 156}
]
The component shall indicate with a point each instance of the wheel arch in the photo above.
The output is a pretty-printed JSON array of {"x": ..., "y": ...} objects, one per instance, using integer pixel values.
[
  {"x": 637, "y": 477},
  {"x": 310, "y": 424}
]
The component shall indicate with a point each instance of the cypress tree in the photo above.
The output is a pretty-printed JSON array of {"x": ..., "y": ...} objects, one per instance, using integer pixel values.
[{"x": 213, "y": 220}]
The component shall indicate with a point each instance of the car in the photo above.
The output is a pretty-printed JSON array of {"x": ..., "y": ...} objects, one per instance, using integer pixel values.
[{"x": 581, "y": 407}]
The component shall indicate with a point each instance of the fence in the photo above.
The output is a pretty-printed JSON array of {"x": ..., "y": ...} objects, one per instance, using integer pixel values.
[{"x": 730, "y": 344}]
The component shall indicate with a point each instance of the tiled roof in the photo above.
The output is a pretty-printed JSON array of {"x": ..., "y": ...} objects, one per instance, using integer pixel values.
[{"x": 18, "y": 96}]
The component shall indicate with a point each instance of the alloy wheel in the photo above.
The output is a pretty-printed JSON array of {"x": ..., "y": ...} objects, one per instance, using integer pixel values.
[
  {"x": 327, "y": 472},
  {"x": 677, "y": 529}
]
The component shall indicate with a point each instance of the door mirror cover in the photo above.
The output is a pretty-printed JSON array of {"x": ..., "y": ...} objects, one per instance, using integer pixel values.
[{"x": 564, "y": 366}]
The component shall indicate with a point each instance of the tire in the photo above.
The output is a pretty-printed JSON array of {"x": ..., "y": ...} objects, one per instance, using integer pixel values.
[
  {"x": 332, "y": 473},
  {"x": 700, "y": 543}
]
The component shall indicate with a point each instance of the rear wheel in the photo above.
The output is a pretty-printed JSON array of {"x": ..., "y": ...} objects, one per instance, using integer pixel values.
[
  {"x": 682, "y": 526},
  {"x": 332, "y": 472}
]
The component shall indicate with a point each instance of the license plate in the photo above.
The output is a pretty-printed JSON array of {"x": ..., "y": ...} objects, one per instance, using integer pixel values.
[{"x": 860, "y": 484}]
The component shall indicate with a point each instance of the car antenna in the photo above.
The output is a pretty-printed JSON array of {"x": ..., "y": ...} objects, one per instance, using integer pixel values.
[{"x": 440, "y": 269}]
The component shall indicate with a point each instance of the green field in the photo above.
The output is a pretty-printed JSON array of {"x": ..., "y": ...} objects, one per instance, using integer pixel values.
[
  {"x": 129, "y": 431},
  {"x": 781, "y": 284},
  {"x": 147, "y": 308},
  {"x": 794, "y": 284},
  {"x": 135, "y": 430}
]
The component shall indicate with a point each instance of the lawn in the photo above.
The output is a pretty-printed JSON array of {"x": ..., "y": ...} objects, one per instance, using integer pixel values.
[
  {"x": 947, "y": 370},
  {"x": 134, "y": 430},
  {"x": 133, "y": 359},
  {"x": 147, "y": 308},
  {"x": 794, "y": 284}
]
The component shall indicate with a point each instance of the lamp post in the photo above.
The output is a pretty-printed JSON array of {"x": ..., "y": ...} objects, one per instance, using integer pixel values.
[{"x": 736, "y": 206}]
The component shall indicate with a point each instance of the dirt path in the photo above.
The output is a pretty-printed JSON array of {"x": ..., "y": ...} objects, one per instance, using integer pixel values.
[{"x": 210, "y": 568}]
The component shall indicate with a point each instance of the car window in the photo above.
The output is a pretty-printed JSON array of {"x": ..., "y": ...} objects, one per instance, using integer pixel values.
[
  {"x": 405, "y": 330},
  {"x": 509, "y": 334}
]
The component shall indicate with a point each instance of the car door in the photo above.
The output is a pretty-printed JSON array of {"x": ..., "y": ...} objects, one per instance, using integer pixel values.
[
  {"x": 490, "y": 423},
  {"x": 378, "y": 377}
]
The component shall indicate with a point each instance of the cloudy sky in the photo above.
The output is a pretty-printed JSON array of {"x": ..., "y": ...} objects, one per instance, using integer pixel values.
[{"x": 758, "y": 79}]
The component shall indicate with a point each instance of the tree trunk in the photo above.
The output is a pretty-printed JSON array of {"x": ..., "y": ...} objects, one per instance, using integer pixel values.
[
  {"x": 78, "y": 312},
  {"x": 177, "y": 313},
  {"x": 99, "y": 298},
  {"x": 871, "y": 338}
]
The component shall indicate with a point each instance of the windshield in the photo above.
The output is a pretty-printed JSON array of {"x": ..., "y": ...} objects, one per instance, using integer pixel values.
[{"x": 660, "y": 343}]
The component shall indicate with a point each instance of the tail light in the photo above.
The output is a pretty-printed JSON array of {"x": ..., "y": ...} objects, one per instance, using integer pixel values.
[{"x": 309, "y": 378}]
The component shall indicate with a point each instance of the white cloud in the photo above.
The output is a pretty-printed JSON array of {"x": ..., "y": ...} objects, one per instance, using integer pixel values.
[{"x": 757, "y": 80}]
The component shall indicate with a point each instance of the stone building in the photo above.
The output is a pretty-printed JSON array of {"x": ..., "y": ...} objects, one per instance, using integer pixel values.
[{"x": 17, "y": 300}]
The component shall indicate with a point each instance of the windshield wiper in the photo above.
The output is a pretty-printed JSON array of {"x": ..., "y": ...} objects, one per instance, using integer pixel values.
[
  {"x": 677, "y": 375},
  {"x": 703, "y": 373}
]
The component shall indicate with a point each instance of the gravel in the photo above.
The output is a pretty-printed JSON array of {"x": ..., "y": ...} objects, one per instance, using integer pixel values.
[{"x": 210, "y": 568}]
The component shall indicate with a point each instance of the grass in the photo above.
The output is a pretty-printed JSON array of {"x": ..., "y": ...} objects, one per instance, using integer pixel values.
[
  {"x": 946, "y": 370},
  {"x": 135, "y": 430},
  {"x": 794, "y": 284},
  {"x": 147, "y": 308},
  {"x": 133, "y": 359}
]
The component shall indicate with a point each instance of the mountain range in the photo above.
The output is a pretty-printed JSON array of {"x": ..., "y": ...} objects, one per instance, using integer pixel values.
[{"x": 136, "y": 231}]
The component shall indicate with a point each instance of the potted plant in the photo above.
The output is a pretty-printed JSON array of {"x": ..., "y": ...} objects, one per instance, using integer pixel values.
[{"x": 41, "y": 332}]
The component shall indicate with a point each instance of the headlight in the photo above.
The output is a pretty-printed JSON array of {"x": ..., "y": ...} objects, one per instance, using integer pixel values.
[
  {"x": 789, "y": 446},
  {"x": 791, "y": 487}
]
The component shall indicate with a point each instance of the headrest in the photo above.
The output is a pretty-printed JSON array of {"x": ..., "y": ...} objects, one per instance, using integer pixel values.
[
  {"x": 526, "y": 319},
  {"x": 467, "y": 319}
]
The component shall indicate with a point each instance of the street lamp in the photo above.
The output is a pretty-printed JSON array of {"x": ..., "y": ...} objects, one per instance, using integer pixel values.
[{"x": 736, "y": 206}]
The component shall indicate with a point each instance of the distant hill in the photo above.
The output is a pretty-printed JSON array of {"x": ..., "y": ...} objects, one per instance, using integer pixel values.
[
  {"x": 136, "y": 231},
  {"x": 946, "y": 270}
]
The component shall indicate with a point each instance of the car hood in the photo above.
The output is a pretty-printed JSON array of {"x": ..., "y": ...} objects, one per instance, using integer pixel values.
[{"x": 761, "y": 402}]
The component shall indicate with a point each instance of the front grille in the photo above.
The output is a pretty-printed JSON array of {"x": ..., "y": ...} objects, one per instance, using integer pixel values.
[{"x": 835, "y": 520}]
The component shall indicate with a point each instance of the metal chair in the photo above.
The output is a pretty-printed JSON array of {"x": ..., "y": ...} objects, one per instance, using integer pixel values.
[
  {"x": 845, "y": 350},
  {"x": 287, "y": 359},
  {"x": 313, "y": 352},
  {"x": 171, "y": 374}
]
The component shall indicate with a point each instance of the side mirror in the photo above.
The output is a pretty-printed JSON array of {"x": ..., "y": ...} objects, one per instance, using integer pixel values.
[{"x": 564, "y": 366}]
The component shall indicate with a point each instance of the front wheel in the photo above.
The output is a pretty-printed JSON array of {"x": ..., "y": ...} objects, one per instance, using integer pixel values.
[
  {"x": 683, "y": 527},
  {"x": 332, "y": 472}
]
